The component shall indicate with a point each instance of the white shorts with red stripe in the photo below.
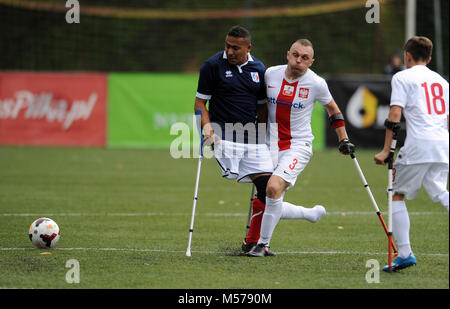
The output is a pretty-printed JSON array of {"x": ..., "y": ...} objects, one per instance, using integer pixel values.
[{"x": 292, "y": 162}]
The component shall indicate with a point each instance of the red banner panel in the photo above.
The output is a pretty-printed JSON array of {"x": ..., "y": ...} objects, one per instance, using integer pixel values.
[{"x": 53, "y": 109}]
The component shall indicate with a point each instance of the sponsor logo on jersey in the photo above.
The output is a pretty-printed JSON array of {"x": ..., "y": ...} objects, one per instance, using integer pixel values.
[
  {"x": 288, "y": 90},
  {"x": 228, "y": 74},
  {"x": 286, "y": 103},
  {"x": 303, "y": 93},
  {"x": 255, "y": 77}
]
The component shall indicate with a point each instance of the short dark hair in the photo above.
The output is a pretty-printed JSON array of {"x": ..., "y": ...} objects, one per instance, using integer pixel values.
[
  {"x": 419, "y": 47},
  {"x": 239, "y": 32},
  {"x": 304, "y": 42}
]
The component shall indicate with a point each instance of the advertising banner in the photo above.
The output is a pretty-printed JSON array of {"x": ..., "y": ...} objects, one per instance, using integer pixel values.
[
  {"x": 364, "y": 102},
  {"x": 143, "y": 108},
  {"x": 53, "y": 109},
  {"x": 149, "y": 110},
  {"x": 156, "y": 110}
]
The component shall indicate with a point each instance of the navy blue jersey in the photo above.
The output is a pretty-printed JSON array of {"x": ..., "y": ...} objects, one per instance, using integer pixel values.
[{"x": 233, "y": 91}]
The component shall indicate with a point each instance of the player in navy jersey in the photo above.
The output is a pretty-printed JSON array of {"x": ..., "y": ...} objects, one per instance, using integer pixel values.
[{"x": 233, "y": 82}]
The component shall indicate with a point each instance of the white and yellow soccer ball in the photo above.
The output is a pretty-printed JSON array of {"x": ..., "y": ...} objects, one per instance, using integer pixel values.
[{"x": 44, "y": 233}]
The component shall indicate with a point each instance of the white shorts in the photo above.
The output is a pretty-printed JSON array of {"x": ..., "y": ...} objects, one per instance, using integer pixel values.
[
  {"x": 292, "y": 162},
  {"x": 238, "y": 160},
  {"x": 408, "y": 179}
]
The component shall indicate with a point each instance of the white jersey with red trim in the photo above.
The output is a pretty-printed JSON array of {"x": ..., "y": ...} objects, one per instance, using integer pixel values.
[
  {"x": 291, "y": 103},
  {"x": 423, "y": 95}
]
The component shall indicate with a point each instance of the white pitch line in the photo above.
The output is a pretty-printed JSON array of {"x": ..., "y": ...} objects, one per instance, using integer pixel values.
[
  {"x": 150, "y": 214},
  {"x": 217, "y": 252}
]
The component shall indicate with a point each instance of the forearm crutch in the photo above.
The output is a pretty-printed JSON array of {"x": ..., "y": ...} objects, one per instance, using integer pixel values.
[
  {"x": 374, "y": 203},
  {"x": 390, "y": 161},
  {"x": 198, "y": 115},
  {"x": 252, "y": 197}
]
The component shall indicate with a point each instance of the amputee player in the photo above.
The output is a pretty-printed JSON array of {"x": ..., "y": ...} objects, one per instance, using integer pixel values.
[
  {"x": 292, "y": 90},
  {"x": 233, "y": 82},
  {"x": 422, "y": 96}
]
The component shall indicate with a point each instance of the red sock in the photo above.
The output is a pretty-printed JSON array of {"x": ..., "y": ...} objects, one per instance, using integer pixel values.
[{"x": 255, "y": 223}]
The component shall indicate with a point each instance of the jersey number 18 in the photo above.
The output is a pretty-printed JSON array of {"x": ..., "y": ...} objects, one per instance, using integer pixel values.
[{"x": 437, "y": 93}]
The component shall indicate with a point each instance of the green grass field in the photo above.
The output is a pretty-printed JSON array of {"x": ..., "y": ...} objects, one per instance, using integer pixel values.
[{"x": 124, "y": 216}]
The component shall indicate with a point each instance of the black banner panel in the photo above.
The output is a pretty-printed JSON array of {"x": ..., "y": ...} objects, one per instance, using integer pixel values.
[{"x": 364, "y": 102}]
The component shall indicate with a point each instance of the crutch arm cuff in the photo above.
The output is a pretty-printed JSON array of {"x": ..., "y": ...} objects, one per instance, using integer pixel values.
[
  {"x": 336, "y": 120},
  {"x": 393, "y": 126}
]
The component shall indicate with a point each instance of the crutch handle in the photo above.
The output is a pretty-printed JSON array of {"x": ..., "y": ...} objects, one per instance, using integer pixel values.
[{"x": 198, "y": 118}]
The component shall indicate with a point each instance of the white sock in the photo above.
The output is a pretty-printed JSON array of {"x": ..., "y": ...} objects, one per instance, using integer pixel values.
[
  {"x": 443, "y": 198},
  {"x": 272, "y": 214},
  {"x": 291, "y": 211},
  {"x": 400, "y": 228}
]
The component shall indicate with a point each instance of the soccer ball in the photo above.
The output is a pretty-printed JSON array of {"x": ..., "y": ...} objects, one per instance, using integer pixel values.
[{"x": 44, "y": 233}]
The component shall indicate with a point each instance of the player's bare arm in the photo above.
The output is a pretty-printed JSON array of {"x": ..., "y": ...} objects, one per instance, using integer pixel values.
[
  {"x": 333, "y": 109},
  {"x": 210, "y": 137},
  {"x": 395, "y": 114},
  {"x": 337, "y": 121}
]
